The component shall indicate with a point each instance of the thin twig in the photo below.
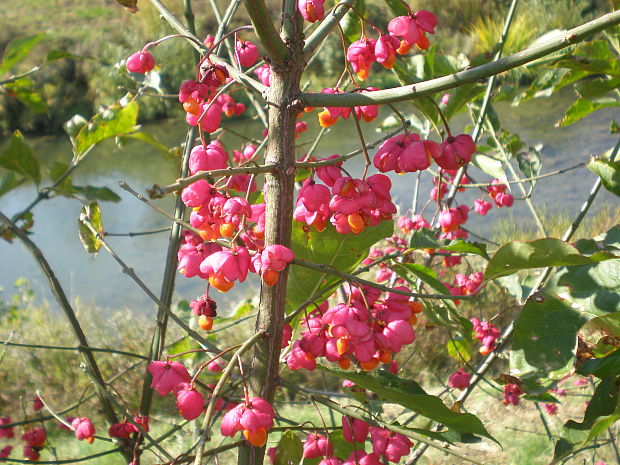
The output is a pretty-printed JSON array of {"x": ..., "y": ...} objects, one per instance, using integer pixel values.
[
  {"x": 349, "y": 277},
  {"x": 206, "y": 424},
  {"x": 63, "y": 302}
]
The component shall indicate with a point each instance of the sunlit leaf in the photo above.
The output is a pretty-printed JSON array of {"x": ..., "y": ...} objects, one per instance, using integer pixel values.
[
  {"x": 609, "y": 172},
  {"x": 112, "y": 122},
  {"x": 490, "y": 166},
  {"x": 520, "y": 255},
  {"x": 24, "y": 91},
  {"x": 583, "y": 107},
  {"x": 602, "y": 411},
  {"x": 147, "y": 138},
  {"x": 88, "y": 238},
  {"x": 544, "y": 343},
  {"x": 17, "y": 50}
]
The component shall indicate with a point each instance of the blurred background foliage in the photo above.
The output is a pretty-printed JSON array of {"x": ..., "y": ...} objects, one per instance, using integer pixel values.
[{"x": 83, "y": 85}]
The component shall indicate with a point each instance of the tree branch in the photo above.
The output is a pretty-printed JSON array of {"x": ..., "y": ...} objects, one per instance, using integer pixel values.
[
  {"x": 63, "y": 302},
  {"x": 265, "y": 30},
  {"x": 327, "y": 25},
  {"x": 432, "y": 86},
  {"x": 178, "y": 26}
]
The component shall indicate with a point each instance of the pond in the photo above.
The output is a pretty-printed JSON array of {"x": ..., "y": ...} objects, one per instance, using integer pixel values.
[{"x": 99, "y": 280}]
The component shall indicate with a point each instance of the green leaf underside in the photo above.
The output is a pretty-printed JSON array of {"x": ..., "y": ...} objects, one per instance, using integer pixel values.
[
  {"x": 410, "y": 394},
  {"x": 289, "y": 450},
  {"x": 609, "y": 172},
  {"x": 19, "y": 158},
  {"x": 342, "y": 251}
]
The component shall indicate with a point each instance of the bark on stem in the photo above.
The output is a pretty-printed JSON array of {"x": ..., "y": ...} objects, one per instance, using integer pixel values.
[{"x": 279, "y": 203}]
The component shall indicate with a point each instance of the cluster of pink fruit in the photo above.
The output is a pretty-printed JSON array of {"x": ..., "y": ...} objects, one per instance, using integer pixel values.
[
  {"x": 407, "y": 153},
  {"x": 253, "y": 417},
  {"x": 404, "y": 33},
  {"x": 351, "y": 205},
  {"x": 385, "y": 444},
  {"x": 35, "y": 438},
  {"x": 367, "y": 330}
]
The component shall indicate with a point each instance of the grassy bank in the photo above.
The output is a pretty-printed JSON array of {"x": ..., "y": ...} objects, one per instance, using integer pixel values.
[{"x": 107, "y": 34}]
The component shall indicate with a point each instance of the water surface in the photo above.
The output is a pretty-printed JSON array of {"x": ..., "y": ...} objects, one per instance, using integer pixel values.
[{"x": 99, "y": 279}]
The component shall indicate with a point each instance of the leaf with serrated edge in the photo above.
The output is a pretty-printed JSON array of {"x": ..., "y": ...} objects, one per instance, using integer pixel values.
[{"x": 521, "y": 255}]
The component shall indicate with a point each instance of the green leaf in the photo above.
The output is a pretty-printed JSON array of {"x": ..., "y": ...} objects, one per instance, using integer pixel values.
[
  {"x": 602, "y": 411},
  {"x": 511, "y": 142},
  {"x": 57, "y": 54},
  {"x": 550, "y": 81},
  {"x": 406, "y": 77},
  {"x": 490, "y": 166},
  {"x": 17, "y": 50},
  {"x": 289, "y": 450},
  {"x": 609, "y": 241},
  {"x": 583, "y": 107},
  {"x": 351, "y": 22},
  {"x": 410, "y": 394},
  {"x": 544, "y": 397},
  {"x": 596, "y": 87},
  {"x": 149, "y": 139},
  {"x": 242, "y": 310},
  {"x": 397, "y": 7},
  {"x": 88, "y": 238},
  {"x": 112, "y": 122},
  {"x": 87, "y": 192},
  {"x": 545, "y": 335},
  {"x": 342, "y": 251},
  {"x": 424, "y": 273},
  {"x": 608, "y": 366},
  {"x": 20, "y": 158},
  {"x": 609, "y": 172},
  {"x": 520, "y": 255},
  {"x": 24, "y": 90},
  {"x": 459, "y": 349},
  {"x": 8, "y": 182},
  {"x": 97, "y": 193},
  {"x": 182, "y": 345},
  {"x": 595, "y": 57},
  {"x": 460, "y": 97},
  {"x": 545, "y": 338},
  {"x": 614, "y": 128},
  {"x": 425, "y": 239}
]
